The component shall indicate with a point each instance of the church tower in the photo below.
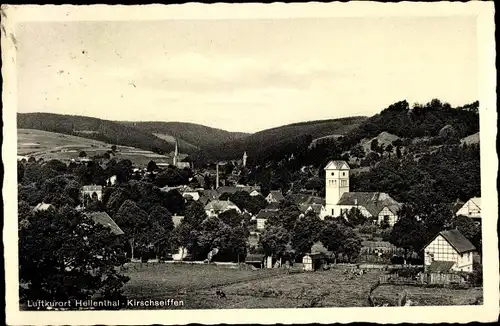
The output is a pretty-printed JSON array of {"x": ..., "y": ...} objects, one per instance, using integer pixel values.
[
  {"x": 245, "y": 159},
  {"x": 176, "y": 152},
  {"x": 336, "y": 184}
]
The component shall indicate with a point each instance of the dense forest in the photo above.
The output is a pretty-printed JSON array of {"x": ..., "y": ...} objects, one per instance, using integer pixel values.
[{"x": 194, "y": 135}]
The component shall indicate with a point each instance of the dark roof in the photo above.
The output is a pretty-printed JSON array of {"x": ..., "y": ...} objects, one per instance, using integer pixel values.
[
  {"x": 273, "y": 206},
  {"x": 105, "y": 220},
  {"x": 458, "y": 241},
  {"x": 440, "y": 266},
  {"x": 203, "y": 199},
  {"x": 277, "y": 195},
  {"x": 315, "y": 207},
  {"x": 305, "y": 199},
  {"x": 265, "y": 213},
  {"x": 229, "y": 190},
  {"x": 374, "y": 202},
  {"x": 210, "y": 193}
]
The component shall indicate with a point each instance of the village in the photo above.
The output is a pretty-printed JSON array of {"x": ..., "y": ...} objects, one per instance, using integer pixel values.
[{"x": 448, "y": 259}]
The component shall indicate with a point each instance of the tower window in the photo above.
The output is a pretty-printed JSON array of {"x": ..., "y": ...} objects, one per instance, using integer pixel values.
[
  {"x": 343, "y": 174},
  {"x": 343, "y": 183},
  {"x": 333, "y": 173}
]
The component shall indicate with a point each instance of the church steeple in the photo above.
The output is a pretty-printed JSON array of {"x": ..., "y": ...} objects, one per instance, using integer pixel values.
[
  {"x": 245, "y": 159},
  {"x": 176, "y": 152}
]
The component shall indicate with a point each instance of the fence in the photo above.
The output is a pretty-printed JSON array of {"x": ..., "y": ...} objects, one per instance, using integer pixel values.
[{"x": 440, "y": 280}]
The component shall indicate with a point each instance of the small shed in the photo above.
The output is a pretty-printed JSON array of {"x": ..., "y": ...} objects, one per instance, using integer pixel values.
[
  {"x": 314, "y": 261},
  {"x": 256, "y": 260}
]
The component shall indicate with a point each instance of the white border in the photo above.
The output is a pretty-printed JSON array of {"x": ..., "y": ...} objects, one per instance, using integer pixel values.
[{"x": 484, "y": 11}]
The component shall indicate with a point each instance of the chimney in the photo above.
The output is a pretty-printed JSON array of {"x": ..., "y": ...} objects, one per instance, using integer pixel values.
[{"x": 217, "y": 176}]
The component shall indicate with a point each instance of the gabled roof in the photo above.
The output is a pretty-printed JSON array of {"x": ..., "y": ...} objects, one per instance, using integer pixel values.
[
  {"x": 203, "y": 199},
  {"x": 457, "y": 240},
  {"x": 337, "y": 165},
  {"x": 303, "y": 199},
  {"x": 105, "y": 220},
  {"x": 42, "y": 207},
  {"x": 265, "y": 214},
  {"x": 277, "y": 195},
  {"x": 221, "y": 206},
  {"x": 374, "y": 202},
  {"x": 227, "y": 189},
  {"x": 315, "y": 207},
  {"x": 440, "y": 266}
]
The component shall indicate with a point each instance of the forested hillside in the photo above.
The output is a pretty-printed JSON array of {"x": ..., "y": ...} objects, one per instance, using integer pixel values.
[
  {"x": 195, "y": 135},
  {"x": 275, "y": 143},
  {"x": 426, "y": 161},
  {"x": 93, "y": 128}
]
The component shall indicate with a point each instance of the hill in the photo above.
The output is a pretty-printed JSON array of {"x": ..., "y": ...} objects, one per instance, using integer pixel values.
[
  {"x": 276, "y": 142},
  {"x": 94, "y": 128},
  {"x": 190, "y": 135},
  {"x": 50, "y": 145}
]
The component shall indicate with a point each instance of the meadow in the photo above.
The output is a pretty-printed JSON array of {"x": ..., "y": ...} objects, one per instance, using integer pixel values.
[
  {"x": 196, "y": 285},
  {"x": 52, "y": 145}
]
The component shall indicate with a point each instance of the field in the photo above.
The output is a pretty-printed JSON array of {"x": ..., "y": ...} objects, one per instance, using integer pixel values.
[
  {"x": 273, "y": 288},
  {"x": 51, "y": 145}
]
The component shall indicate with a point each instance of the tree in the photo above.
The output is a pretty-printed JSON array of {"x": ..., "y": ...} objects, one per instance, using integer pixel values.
[
  {"x": 63, "y": 255},
  {"x": 195, "y": 214},
  {"x": 354, "y": 217},
  {"x": 408, "y": 232},
  {"x": 351, "y": 244},
  {"x": 374, "y": 145},
  {"x": 162, "y": 216},
  {"x": 82, "y": 154},
  {"x": 113, "y": 148},
  {"x": 274, "y": 241},
  {"x": 134, "y": 222},
  {"x": 20, "y": 172},
  {"x": 469, "y": 229},
  {"x": 231, "y": 218},
  {"x": 306, "y": 232},
  {"x": 152, "y": 166},
  {"x": 287, "y": 217},
  {"x": 116, "y": 199}
]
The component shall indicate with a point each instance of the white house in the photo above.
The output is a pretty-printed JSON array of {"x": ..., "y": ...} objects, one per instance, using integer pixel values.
[
  {"x": 90, "y": 190},
  {"x": 215, "y": 207},
  {"x": 471, "y": 209},
  {"x": 449, "y": 251},
  {"x": 377, "y": 206}
]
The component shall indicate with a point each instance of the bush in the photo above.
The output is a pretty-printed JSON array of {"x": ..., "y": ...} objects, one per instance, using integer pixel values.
[
  {"x": 476, "y": 277},
  {"x": 368, "y": 229}
]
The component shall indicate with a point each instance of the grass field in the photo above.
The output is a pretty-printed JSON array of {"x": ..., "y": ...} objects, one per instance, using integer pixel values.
[
  {"x": 273, "y": 288},
  {"x": 51, "y": 145}
]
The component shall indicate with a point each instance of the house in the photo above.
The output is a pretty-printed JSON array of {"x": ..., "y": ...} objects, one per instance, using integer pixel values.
[
  {"x": 177, "y": 220},
  {"x": 273, "y": 206},
  {"x": 316, "y": 208},
  {"x": 111, "y": 181},
  {"x": 471, "y": 209},
  {"x": 90, "y": 190},
  {"x": 255, "y": 192},
  {"x": 215, "y": 207},
  {"x": 305, "y": 199},
  {"x": 314, "y": 261},
  {"x": 105, "y": 220},
  {"x": 263, "y": 216},
  {"x": 210, "y": 194},
  {"x": 43, "y": 207},
  {"x": 449, "y": 251},
  {"x": 377, "y": 206},
  {"x": 275, "y": 196}
]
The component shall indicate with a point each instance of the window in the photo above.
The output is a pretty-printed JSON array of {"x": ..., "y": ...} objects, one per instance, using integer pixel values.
[
  {"x": 343, "y": 183},
  {"x": 333, "y": 173},
  {"x": 343, "y": 174},
  {"x": 333, "y": 212}
]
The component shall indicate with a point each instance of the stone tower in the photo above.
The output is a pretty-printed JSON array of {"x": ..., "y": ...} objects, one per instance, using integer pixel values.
[
  {"x": 336, "y": 184},
  {"x": 245, "y": 159}
]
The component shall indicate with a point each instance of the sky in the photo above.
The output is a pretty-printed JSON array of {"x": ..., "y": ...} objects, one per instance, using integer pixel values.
[{"x": 244, "y": 75}]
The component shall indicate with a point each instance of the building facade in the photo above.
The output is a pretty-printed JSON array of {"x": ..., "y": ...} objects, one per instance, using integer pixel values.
[{"x": 451, "y": 248}]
